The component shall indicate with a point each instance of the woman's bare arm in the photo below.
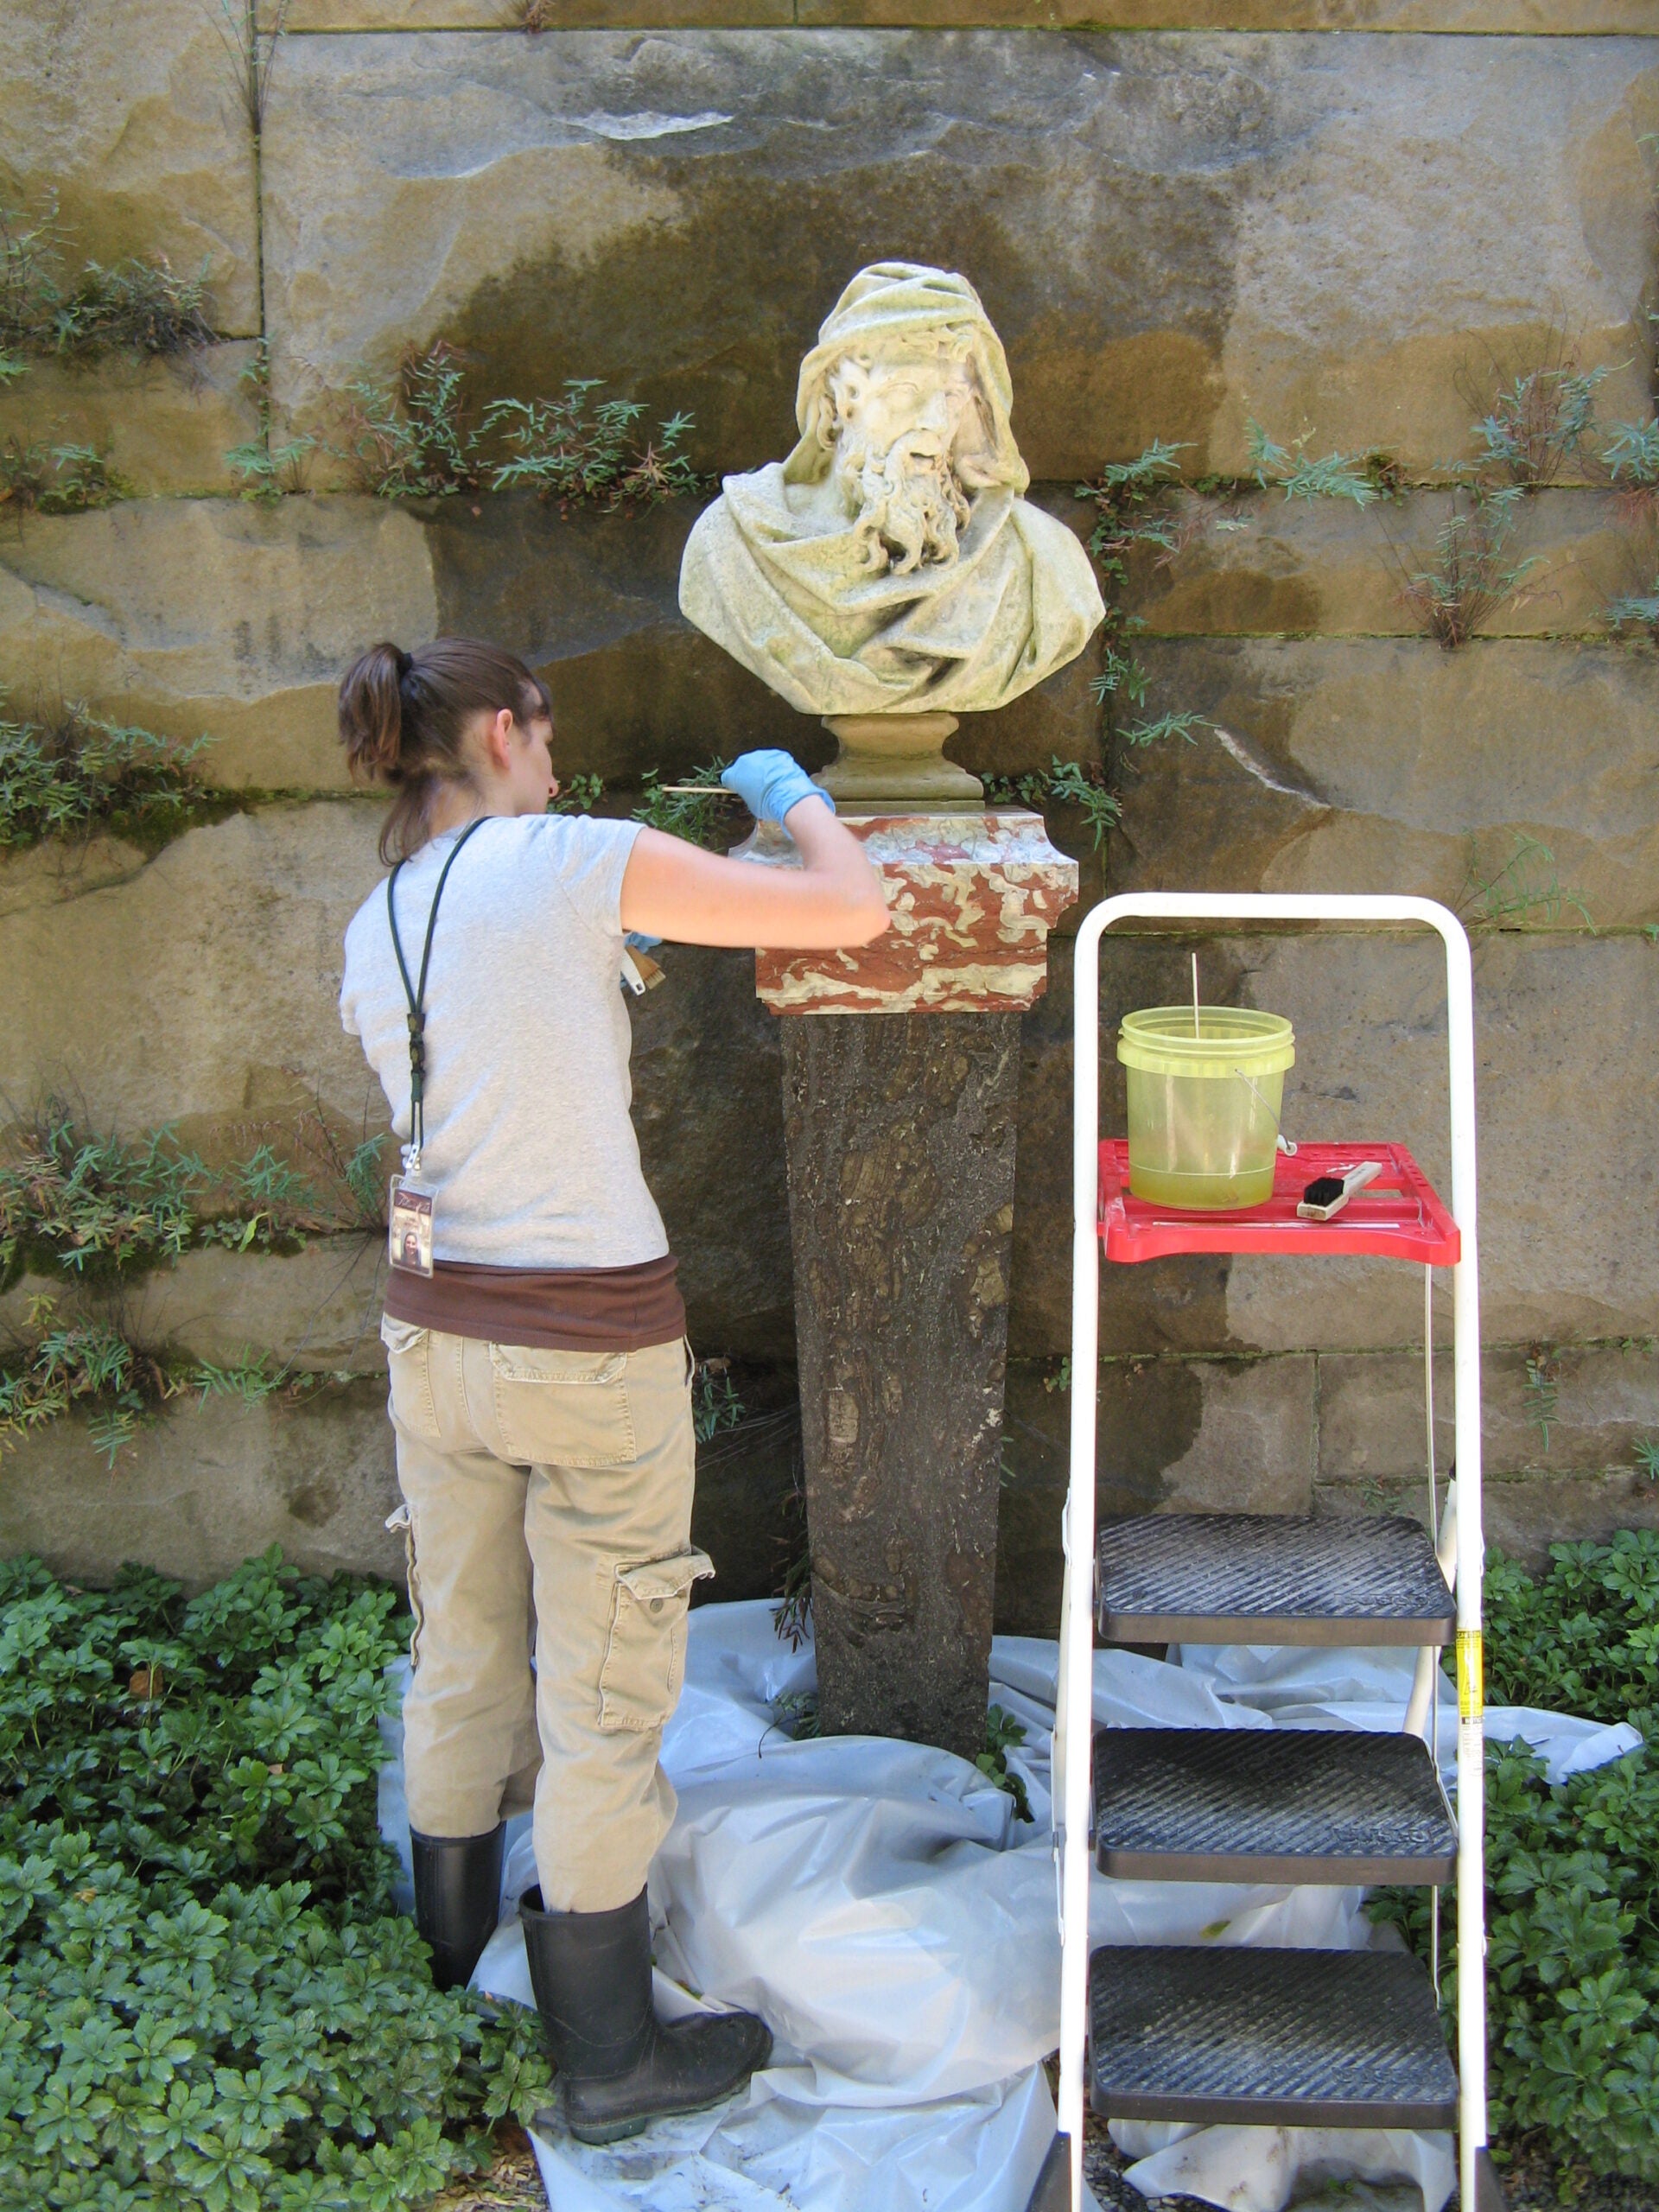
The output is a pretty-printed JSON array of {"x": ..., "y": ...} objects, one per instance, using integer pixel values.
[{"x": 673, "y": 889}]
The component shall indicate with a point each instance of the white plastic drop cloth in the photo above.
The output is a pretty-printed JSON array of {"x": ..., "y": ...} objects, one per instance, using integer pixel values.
[{"x": 880, "y": 1904}]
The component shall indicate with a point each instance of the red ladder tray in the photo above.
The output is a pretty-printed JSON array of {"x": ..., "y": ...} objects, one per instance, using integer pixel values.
[{"x": 1396, "y": 1217}]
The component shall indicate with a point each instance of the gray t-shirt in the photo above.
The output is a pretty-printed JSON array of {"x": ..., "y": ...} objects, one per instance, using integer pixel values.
[{"x": 529, "y": 1145}]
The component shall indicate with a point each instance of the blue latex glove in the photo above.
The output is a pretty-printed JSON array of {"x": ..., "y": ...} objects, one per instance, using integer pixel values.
[{"x": 770, "y": 783}]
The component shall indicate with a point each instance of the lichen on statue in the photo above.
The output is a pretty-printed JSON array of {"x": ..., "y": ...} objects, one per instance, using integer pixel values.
[{"x": 891, "y": 565}]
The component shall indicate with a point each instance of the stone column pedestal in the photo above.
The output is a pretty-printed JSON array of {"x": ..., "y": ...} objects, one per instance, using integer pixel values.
[{"x": 900, "y": 1135}]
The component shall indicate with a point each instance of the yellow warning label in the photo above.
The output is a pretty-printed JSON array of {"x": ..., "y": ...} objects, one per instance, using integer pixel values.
[{"x": 1471, "y": 1673}]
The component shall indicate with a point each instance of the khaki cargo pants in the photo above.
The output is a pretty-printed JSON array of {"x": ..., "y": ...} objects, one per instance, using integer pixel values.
[{"x": 549, "y": 1490}]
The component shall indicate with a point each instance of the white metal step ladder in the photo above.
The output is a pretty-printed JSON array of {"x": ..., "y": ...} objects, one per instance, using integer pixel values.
[{"x": 1282, "y": 2038}]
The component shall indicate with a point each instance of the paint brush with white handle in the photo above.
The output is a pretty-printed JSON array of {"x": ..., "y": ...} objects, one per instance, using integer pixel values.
[{"x": 1327, "y": 1194}]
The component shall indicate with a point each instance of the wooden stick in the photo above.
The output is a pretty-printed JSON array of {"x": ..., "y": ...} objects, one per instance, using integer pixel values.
[{"x": 701, "y": 791}]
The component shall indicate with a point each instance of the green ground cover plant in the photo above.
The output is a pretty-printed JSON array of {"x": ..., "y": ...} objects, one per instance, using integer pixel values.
[
  {"x": 715, "y": 1402},
  {"x": 249, "y": 38},
  {"x": 1572, "y": 1871},
  {"x": 1636, "y": 614},
  {"x": 207, "y": 2001},
  {"x": 413, "y": 439},
  {"x": 78, "y": 772}
]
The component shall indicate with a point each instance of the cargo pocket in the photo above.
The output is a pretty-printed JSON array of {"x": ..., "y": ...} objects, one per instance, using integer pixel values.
[
  {"x": 401, "y": 1522},
  {"x": 408, "y": 1356},
  {"x": 645, "y": 1658},
  {"x": 563, "y": 1408}
]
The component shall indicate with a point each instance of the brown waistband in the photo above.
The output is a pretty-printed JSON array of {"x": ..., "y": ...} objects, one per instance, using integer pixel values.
[{"x": 561, "y": 1309}]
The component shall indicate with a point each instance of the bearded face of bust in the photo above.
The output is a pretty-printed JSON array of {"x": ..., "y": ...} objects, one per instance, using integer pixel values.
[{"x": 909, "y": 444}]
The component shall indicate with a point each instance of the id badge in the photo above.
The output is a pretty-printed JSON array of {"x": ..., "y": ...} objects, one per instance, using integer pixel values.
[{"x": 409, "y": 1227}]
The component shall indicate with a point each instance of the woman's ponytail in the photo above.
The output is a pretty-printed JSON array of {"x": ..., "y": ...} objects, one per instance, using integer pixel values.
[
  {"x": 405, "y": 719},
  {"x": 371, "y": 713}
]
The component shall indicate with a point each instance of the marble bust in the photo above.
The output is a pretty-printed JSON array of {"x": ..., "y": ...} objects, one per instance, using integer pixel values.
[{"x": 890, "y": 565}]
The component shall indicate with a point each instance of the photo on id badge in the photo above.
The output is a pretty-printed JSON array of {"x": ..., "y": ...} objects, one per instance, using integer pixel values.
[{"x": 409, "y": 1229}]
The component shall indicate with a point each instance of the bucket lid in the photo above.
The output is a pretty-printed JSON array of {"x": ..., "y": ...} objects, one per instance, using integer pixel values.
[{"x": 1231, "y": 1041}]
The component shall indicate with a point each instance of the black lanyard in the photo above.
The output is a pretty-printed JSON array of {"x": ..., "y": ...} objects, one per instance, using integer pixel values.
[{"x": 417, "y": 998}]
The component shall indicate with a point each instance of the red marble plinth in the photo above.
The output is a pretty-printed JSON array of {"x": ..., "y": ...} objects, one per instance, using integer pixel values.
[{"x": 972, "y": 897}]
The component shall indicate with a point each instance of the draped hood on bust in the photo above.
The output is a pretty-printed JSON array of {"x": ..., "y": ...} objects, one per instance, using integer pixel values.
[{"x": 885, "y": 307}]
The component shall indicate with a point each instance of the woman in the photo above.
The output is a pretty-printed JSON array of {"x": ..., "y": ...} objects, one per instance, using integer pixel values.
[{"x": 540, "y": 1375}]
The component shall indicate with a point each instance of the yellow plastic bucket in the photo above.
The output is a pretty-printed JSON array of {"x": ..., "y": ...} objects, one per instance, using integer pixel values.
[{"x": 1206, "y": 1092}]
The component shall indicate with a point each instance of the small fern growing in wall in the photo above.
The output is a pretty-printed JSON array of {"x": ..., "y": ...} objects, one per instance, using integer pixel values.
[
  {"x": 49, "y": 309},
  {"x": 579, "y": 449},
  {"x": 420, "y": 437}
]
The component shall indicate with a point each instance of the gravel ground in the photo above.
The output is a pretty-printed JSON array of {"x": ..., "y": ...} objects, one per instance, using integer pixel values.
[
  {"x": 1532, "y": 2183},
  {"x": 513, "y": 2185}
]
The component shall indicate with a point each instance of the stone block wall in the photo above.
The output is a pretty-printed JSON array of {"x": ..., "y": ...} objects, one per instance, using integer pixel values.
[{"x": 1346, "y": 220}]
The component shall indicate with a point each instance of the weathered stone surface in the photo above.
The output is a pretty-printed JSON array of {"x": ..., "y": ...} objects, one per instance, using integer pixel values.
[
  {"x": 1176, "y": 1435},
  {"x": 1266, "y": 564},
  {"x": 202, "y": 1486},
  {"x": 1394, "y": 765},
  {"x": 134, "y": 128},
  {"x": 708, "y": 1108},
  {"x": 747, "y": 1514},
  {"x": 1522, "y": 1515},
  {"x": 1565, "y": 1158},
  {"x": 901, "y": 1131},
  {"x": 1173, "y": 231},
  {"x": 1371, "y": 1427},
  {"x": 215, "y": 617},
  {"x": 591, "y": 600},
  {"x": 165, "y": 426},
  {"x": 508, "y": 15},
  {"x": 1565, "y": 1154},
  {"x": 221, "y": 959},
  {"x": 317, "y": 1311},
  {"x": 41, "y": 876},
  {"x": 1524, "y": 1519},
  {"x": 201, "y": 988},
  {"x": 1540, "y": 17}
]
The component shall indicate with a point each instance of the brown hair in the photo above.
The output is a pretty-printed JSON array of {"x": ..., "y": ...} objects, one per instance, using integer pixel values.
[{"x": 404, "y": 719}]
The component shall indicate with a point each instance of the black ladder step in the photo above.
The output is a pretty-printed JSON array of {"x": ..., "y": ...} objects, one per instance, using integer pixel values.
[
  {"x": 1270, "y": 1805},
  {"x": 1256, "y": 1578},
  {"x": 1274, "y": 2038}
]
